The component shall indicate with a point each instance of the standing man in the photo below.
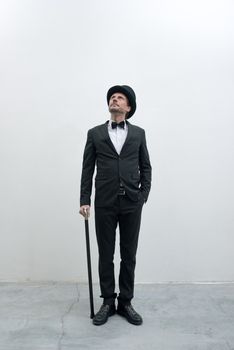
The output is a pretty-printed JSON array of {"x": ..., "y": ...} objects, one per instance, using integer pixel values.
[{"x": 122, "y": 183}]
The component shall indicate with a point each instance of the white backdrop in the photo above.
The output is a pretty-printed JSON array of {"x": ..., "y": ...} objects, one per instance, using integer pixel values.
[{"x": 57, "y": 61}]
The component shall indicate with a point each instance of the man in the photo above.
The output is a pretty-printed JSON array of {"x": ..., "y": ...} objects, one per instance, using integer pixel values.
[{"x": 122, "y": 183}]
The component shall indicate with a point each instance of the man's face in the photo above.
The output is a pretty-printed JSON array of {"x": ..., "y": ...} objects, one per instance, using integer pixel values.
[{"x": 118, "y": 103}]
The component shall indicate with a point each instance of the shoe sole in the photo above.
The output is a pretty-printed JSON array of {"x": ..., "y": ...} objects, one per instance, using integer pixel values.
[{"x": 125, "y": 315}]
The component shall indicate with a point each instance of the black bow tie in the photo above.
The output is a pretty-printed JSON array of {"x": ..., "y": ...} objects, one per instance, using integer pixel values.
[{"x": 120, "y": 125}]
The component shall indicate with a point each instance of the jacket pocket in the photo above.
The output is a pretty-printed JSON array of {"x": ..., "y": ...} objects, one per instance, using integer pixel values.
[
  {"x": 101, "y": 176},
  {"x": 135, "y": 176}
]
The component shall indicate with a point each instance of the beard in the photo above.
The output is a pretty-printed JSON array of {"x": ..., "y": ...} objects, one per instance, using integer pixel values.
[{"x": 115, "y": 110}]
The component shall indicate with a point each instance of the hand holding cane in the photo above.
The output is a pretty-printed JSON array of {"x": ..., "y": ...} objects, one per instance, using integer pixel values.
[{"x": 89, "y": 263}]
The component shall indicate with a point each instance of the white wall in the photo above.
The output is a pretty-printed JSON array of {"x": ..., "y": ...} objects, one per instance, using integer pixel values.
[{"x": 57, "y": 61}]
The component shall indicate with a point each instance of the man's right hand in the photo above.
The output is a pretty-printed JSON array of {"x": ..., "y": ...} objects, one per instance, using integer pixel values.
[{"x": 85, "y": 211}]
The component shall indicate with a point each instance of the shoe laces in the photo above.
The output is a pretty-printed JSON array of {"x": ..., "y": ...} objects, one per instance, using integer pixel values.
[
  {"x": 103, "y": 309},
  {"x": 131, "y": 310}
]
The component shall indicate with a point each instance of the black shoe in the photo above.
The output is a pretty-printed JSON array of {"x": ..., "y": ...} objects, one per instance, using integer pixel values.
[
  {"x": 102, "y": 315},
  {"x": 130, "y": 314}
]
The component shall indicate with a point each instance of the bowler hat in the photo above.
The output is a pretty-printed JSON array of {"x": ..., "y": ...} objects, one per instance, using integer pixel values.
[{"x": 128, "y": 92}]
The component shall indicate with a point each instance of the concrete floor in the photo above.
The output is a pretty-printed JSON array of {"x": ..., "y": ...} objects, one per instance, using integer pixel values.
[{"x": 53, "y": 316}]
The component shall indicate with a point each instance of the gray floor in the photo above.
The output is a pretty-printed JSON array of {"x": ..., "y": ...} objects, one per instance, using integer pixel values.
[{"x": 52, "y": 316}]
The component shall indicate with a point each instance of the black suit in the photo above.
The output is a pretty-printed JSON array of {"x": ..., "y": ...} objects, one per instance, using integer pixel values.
[{"x": 133, "y": 170}]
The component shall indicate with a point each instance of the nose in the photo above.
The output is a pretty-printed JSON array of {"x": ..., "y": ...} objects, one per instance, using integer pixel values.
[{"x": 113, "y": 101}]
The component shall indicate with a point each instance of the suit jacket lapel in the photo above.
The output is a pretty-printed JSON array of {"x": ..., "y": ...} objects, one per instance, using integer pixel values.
[
  {"x": 107, "y": 136},
  {"x": 128, "y": 136}
]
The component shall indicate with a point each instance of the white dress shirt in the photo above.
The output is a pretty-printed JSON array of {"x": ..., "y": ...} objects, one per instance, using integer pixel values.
[{"x": 117, "y": 136}]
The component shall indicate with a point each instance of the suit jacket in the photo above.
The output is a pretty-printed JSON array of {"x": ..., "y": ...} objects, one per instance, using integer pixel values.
[{"x": 132, "y": 167}]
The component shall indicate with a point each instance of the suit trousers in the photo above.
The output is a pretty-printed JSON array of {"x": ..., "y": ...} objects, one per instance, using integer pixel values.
[{"x": 126, "y": 214}]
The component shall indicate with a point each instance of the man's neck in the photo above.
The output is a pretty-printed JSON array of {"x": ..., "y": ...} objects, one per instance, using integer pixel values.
[{"x": 117, "y": 118}]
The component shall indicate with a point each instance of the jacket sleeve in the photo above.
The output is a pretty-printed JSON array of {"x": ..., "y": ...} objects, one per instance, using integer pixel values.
[
  {"x": 89, "y": 159},
  {"x": 145, "y": 168}
]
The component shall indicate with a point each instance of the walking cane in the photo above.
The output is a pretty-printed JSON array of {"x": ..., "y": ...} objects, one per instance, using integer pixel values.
[{"x": 89, "y": 265}]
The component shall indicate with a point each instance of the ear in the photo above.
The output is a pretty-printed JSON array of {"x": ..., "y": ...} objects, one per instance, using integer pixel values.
[{"x": 129, "y": 108}]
